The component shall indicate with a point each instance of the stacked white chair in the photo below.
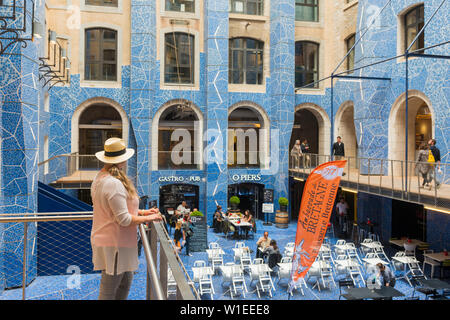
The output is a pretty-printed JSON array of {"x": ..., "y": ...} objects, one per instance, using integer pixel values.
[
  {"x": 238, "y": 250},
  {"x": 337, "y": 250},
  {"x": 326, "y": 274},
  {"x": 415, "y": 271},
  {"x": 216, "y": 260},
  {"x": 227, "y": 276},
  {"x": 356, "y": 275},
  {"x": 352, "y": 252},
  {"x": 198, "y": 264},
  {"x": 364, "y": 250},
  {"x": 380, "y": 251},
  {"x": 246, "y": 260}
]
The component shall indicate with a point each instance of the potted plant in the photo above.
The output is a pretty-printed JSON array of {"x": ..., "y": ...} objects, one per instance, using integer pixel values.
[
  {"x": 197, "y": 214},
  {"x": 283, "y": 202},
  {"x": 234, "y": 202}
]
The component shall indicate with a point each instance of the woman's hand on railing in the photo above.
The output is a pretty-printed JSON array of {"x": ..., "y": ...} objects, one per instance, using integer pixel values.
[
  {"x": 146, "y": 219},
  {"x": 148, "y": 212}
]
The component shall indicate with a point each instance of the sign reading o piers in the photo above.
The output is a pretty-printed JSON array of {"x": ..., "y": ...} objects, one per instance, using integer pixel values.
[{"x": 246, "y": 177}]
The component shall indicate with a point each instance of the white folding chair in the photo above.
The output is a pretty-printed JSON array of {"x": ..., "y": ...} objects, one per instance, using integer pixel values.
[
  {"x": 432, "y": 263},
  {"x": 216, "y": 260},
  {"x": 289, "y": 249},
  {"x": 356, "y": 275},
  {"x": 199, "y": 263},
  {"x": 286, "y": 260},
  {"x": 258, "y": 261},
  {"x": 380, "y": 251},
  {"x": 237, "y": 281},
  {"x": 206, "y": 285},
  {"x": 326, "y": 275},
  {"x": 264, "y": 283},
  {"x": 414, "y": 272},
  {"x": 246, "y": 260},
  {"x": 239, "y": 244},
  {"x": 352, "y": 252},
  {"x": 214, "y": 245}
]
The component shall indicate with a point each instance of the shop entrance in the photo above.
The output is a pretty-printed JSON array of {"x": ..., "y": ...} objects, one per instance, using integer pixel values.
[
  {"x": 171, "y": 196},
  {"x": 251, "y": 196},
  {"x": 408, "y": 220}
]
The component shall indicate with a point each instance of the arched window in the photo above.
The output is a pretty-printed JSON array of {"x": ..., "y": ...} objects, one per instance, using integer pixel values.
[
  {"x": 306, "y": 63},
  {"x": 413, "y": 23},
  {"x": 246, "y": 139},
  {"x": 177, "y": 138},
  {"x": 246, "y": 61},
  {"x": 100, "y": 54},
  {"x": 179, "y": 58},
  {"x": 97, "y": 123}
]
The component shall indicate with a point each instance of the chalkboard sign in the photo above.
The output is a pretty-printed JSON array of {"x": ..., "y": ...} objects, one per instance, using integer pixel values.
[
  {"x": 199, "y": 240},
  {"x": 268, "y": 195}
]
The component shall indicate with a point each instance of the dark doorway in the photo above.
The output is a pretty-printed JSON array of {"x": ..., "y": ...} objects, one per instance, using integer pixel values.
[
  {"x": 251, "y": 196},
  {"x": 296, "y": 188},
  {"x": 306, "y": 126},
  {"x": 171, "y": 196},
  {"x": 408, "y": 220}
]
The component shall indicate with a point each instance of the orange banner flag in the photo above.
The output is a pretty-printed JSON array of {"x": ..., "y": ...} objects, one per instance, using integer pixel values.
[{"x": 317, "y": 204}]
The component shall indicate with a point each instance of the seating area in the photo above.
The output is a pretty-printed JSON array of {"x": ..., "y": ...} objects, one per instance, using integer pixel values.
[{"x": 232, "y": 271}]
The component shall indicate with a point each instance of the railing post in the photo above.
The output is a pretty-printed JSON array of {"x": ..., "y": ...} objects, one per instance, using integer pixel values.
[
  {"x": 24, "y": 268},
  {"x": 163, "y": 270}
]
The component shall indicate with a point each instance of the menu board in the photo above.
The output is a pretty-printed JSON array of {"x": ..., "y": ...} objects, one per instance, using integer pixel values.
[
  {"x": 268, "y": 195},
  {"x": 199, "y": 240}
]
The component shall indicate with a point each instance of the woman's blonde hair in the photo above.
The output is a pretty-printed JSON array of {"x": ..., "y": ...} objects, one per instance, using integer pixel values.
[{"x": 127, "y": 183}]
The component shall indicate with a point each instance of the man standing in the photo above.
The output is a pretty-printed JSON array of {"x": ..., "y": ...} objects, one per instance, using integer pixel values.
[
  {"x": 342, "y": 210},
  {"x": 437, "y": 160},
  {"x": 338, "y": 150},
  {"x": 305, "y": 150}
]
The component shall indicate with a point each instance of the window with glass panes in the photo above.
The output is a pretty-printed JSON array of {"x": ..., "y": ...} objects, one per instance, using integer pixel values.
[
  {"x": 246, "y": 61},
  {"x": 306, "y": 63},
  {"x": 414, "y": 22},
  {"x": 350, "y": 42},
  {"x": 180, "y": 5},
  {"x": 179, "y": 58},
  {"x": 105, "y": 3},
  {"x": 307, "y": 10},
  {"x": 253, "y": 7},
  {"x": 100, "y": 54}
]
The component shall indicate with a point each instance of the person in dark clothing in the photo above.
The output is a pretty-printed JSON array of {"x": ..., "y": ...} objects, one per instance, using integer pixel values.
[
  {"x": 339, "y": 150},
  {"x": 306, "y": 157},
  {"x": 437, "y": 160}
]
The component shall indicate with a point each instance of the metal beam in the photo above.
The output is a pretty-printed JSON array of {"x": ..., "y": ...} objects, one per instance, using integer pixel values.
[{"x": 362, "y": 77}]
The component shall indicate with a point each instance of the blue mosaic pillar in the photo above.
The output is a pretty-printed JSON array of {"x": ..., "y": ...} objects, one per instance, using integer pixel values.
[
  {"x": 216, "y": 51},
  {"x": 143, "y": 62},
  {"x": 20, "y": 91},
  {"x": 282, "y": 91}
]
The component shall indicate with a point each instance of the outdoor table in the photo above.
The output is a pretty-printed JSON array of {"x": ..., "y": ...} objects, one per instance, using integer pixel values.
[
  {"x": 347, "y": 263},
  {"x": 343, "y": 247},
  {"x": 227, "y": 270},
  {"x": 213, "y": 252},
  {"x": 285, "y": 266},
  {"x": 374, "y": 261},
  {"x": 366, "y": 293},
  {"x": 439, "y": 257},
  {"x": 197, "y": 271},
  {"x": 401, "y": 242},
  {"x": 239, "y": 225},
  {"x": 263, "y": 267},
  {"x": 372, "y": 245},
  {"x": 434, "y": 284},
  {"x": 239, "y": 251},
  {"x": 405, "y": 259}
]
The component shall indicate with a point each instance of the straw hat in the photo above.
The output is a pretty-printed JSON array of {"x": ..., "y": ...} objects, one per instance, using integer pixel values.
[{"x": 115, "y": 151}]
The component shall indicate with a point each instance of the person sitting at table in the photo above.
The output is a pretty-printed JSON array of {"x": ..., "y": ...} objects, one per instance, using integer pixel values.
[
  {"x": 248, "y": 218},
  {"x": 183, "y": 208},
  {"x": 262, "y": 244},
  {"x": 272, "y": 252},
  {"x": 177, "y": 235}
]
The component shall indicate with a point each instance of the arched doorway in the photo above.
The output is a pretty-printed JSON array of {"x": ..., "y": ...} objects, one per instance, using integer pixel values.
[
  {"x": 312, "y": 123},
  {"x": 251, "y": 197},
  {"x": 345, "y": 128},
  {"x": 420, "y": 126}
]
